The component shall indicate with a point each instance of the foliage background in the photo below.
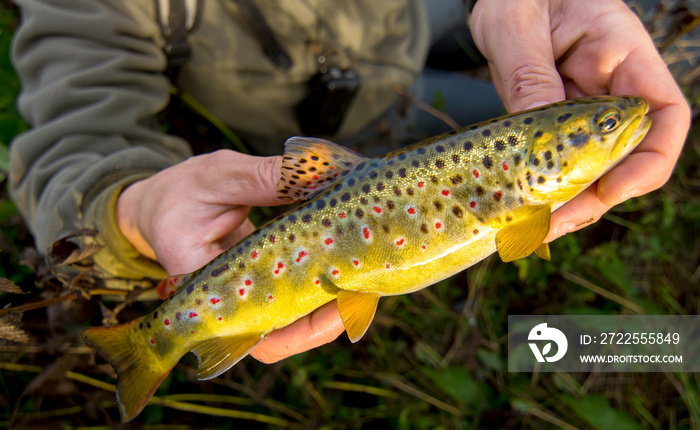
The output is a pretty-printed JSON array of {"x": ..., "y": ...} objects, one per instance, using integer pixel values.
[{"x": 433, "y": 359}]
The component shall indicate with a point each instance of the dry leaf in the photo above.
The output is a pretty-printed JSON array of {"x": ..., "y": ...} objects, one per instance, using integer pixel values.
[
  {"x": 65, "y": 252},
  {"x": 9, "y": 329},
  {"x": 8, "y": 286}
]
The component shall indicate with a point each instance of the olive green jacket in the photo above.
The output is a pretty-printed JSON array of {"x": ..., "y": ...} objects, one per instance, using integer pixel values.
[{"x": 93, "y": 79}]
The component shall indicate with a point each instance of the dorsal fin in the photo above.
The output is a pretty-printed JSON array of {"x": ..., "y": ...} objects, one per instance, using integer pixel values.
[{"x": 309, "y": 165}]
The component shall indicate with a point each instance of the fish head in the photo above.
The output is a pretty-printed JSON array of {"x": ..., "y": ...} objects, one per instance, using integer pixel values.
[{"x": 578, "y": 141}]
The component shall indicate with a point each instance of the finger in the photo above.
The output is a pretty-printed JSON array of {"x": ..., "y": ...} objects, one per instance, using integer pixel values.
[
  {"x": 318, "y": 328},
  {"x": 581, "y": 211},
  {"x": 520, "y": 52}
]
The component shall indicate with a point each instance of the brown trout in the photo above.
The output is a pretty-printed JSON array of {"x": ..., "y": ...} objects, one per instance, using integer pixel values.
[{"x": 374, "y": 227}]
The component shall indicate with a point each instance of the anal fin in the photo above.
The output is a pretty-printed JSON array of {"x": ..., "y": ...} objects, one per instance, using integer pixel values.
[
  {"x": 543, "y": 252},
  {"x": 219, "y": 354},
  {"x": 522, "y": 237},
  {"x": 357, "y": 312},
  {"x": 309, "y": 165}
]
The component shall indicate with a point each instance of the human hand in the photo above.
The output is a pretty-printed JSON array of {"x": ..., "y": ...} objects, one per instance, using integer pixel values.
[
  {"x": 188, "y": 214},
  {"x": 544, "y": 51}
]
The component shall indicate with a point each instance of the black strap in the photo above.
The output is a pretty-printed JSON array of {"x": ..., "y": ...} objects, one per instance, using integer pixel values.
[{"x": 175, "y": 32}]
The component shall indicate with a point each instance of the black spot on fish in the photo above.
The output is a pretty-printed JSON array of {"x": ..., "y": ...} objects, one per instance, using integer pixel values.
[
  {"x": 306, "y": 218},
  {"x": 538, "y": 134},
  {"x": 409, "y": 191},
  {"x": 273, "y": 238},
  {"x": 479, "y": 190},
  {"x": 476, "y": 231},
  {"x": 283, "y": 227},
  {"x": 351, "y": 182},
  {"x": 550, "y": 164},
  {"x": 301, "y": 172},
  {"x": 499, "y": 145},
  {"x": 498, "y": 195},
  {"x": 345, "y": 197},
  {"x": 456, "y": 179},
  {"x": 326, "y": 222},
  {"x": 402, "y": 172},
  {"x": 390, "y": 204},
  {"x": 315, "y": 158},
  {"x": 302, "y": 160},
  {"x": 218, "y": 271},
  {"x": 380, "y": 186},
  {"x": 198, "y": 302},
  {"x": 148, "y": 325},
  {"x": 452, "y": 132},
  {"x": 560, "y": 147},
  {"x": 373, "y": 174},
  {"x": 535, "y": 161},
  {"x": 512, "y": 140},
  {"x": 559, "y": 179},
  {"x": 333, "y": 202},
  {"x": 548, "y": 155},
  {"x": 487, "y": 162},
  {"x": 541, "y": 180},
  {"x": 510, "y": 185},
  {"x": 178, "y": 315},
  {"x": 389, "y": 174},
  {"x": 423, "y": 228},
  {"x": 468, "y": 145},
  {"x": 440, "y": 148},
  {"x": 397, "y": 191},
  {"x": 509, "y": 218},
  {"x": 292, "y": 238},
  {"x": 434, "y": 179},
  {"x": 420, "y": 151},
  {"x": 402, "y": 157},
  {"x": 415, "y": 163},
  {"x": 385, "y": 228},
  {"x": 365, "y": 188},
  {"x": 363, "y": 200},
  {"x": 439, "y": 163},
  {"x": 361, "y": 166},
  {"x": 564, "y": 117},
  {"x": 565, "y": 163},
  {"x": 516, "y": 159},
  {"x": 521, "y": 200},
  {"x": 141, "y": 326},
  {"x": 486, "y": 133},
  {"x": 438, "y": 205},
  {"x": 528, "y": 120},
  {"x": 241, "y": 265},
  {"x": 455, "y": 158},
  {"x": 246, "y": 243},
  {"x": 506, "y": 123},
  {"x": 292, "y": 218},
  {"x": 205, "y": 288},
  {"x": 312, "y": 169},
  {"x": 457, "y": 211},
  {"x": 359, "y": 213},
  {"x": 155, "y": 314}
]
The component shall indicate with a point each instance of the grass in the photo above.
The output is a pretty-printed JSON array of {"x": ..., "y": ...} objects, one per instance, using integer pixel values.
[{"x": 434, "y": 359}]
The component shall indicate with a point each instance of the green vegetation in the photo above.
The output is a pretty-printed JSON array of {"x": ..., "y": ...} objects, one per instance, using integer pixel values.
[{"x": 434, "y": 359}]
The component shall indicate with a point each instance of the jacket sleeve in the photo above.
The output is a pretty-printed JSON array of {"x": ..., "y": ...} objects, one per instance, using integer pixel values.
[{"x": 93, "y": 79}]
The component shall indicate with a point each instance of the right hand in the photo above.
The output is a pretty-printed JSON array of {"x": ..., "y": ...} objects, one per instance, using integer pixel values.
[{"x": 186, "y": 215}]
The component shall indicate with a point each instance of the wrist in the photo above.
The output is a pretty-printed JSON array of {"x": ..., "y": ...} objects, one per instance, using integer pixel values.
[{"x": 128, "y": 211}]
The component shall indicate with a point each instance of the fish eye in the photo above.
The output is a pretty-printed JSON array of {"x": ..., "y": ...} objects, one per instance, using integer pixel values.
[{"x": 607, "y": 120}]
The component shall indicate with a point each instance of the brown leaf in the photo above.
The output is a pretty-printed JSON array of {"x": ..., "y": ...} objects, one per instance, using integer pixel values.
[
  {"x": 9, "y": 329},
  {"x": 66, "y": 252},
  {"x": 8, "y": 286}
]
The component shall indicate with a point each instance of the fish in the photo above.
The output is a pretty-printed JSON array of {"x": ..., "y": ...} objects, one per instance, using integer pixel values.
[{"x": 368, "y": 228}]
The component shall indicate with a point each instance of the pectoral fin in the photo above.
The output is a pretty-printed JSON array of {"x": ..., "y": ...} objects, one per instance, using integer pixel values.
[
  {"x": 543, "y": 252},
  {"x": 217, "y": 355},
  {"x": 522, "y": 237},
  {"x": 357, "y": 311}
]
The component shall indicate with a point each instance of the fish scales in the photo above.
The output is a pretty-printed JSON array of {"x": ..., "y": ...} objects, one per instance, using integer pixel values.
[{"x": 374, "y": 227}]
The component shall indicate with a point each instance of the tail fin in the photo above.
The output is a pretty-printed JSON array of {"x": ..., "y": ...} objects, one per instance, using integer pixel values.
[{"x": 139, "y": 373}]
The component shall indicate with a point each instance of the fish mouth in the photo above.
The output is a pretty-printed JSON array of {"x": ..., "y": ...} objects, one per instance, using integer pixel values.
[{"x": 630, "y": 138}]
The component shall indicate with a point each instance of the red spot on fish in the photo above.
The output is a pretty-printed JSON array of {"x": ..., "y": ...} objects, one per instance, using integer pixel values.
[
  {"x": 497, "y": 195},
  {"x": 215, "y": 301},
  {"x": 317, "y": 282},
  {"x": 248, "y": 283},
  {"x": 377, "y": 209},
  {"x": 388, "y": 266},
  {"x": 193, "y": 315},
  {"x": 166, "y": 322},
  {"x": 301, "y": 255},
  {"x": 315, "y": 177},
  {"x": 505, "y": 165},
  {"x": 331, "y": 167},
  {"x": 356, "y": 262},
  {"x": 421, "y": 184},
  {"x": 191, "y": 331},
  {"x": 153, "y": 341},
  {"x": 476, "y": 173},
  {"x": 342, "y": 215},
  {"x": 280, "y": 264},
  {"x": 241, "y": 292},
  {"x": 328, "y": 241},
  {"x": 335, "y": 272},
  {"x": 445, "y": 193},
  {"x": 270, "y": 298},
  {"x": 411, "y": 211},
  {"x": 472, "y": 204},
  {"x": 424, "y": 247},
  {"x": 366, "y": 232},
  {"x": 438, "y": 225},
  {"x": 220, "y": 319},
  {"x": 308, "y": 182},
  {"x": 254, "y": 254},
  {"x": 400, "y": 242},
  {"x": 273, "y": 239}
]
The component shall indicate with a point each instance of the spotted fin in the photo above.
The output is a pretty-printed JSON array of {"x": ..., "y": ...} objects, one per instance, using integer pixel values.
[
  {"x": 309, "y": 165},
  {"x": 169, "y": 285},
  {"x": 357, "y": 312},
  {"x": 521, "y": 238},
  {"x": 543, "y": 252},
  {"x": 219, "y": 354}
]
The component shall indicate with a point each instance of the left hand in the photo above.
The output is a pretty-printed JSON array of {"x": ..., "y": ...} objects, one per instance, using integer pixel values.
[{"x": 544, "y": 51}]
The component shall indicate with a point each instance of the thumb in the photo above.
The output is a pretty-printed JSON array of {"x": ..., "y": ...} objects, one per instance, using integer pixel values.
[{"x": 515, "y": 37}]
